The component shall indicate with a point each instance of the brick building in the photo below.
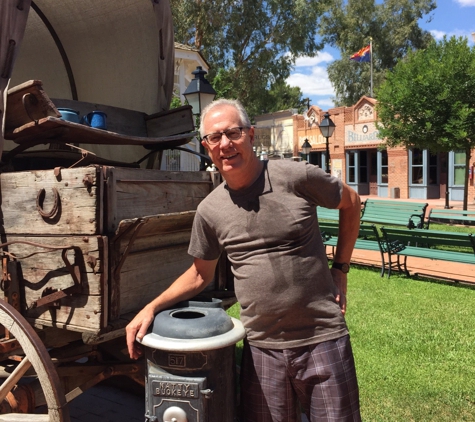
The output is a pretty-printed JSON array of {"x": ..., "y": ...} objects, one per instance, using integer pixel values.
[{"x": 356, "y": 157}]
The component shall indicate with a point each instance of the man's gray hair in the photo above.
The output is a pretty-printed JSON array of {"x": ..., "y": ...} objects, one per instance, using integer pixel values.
[{"x": 243, "y": 117}]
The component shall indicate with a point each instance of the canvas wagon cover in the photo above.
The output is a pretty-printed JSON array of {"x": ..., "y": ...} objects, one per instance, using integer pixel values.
[{"x": 118, "y": 53}]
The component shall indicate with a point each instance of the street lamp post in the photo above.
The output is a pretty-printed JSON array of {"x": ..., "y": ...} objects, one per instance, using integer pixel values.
[
  {"x": 199, "y": 94},
  {"x": 306, "y": 148},
  {"x": 327, "y": 127}
]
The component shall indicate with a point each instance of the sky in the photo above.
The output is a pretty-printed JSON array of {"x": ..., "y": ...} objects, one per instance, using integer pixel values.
[{"x": 451, "y": 17}]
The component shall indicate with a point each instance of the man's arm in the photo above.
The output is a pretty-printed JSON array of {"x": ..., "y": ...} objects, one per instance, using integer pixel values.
[
  {"x": 188, "y": 285},
  {"x": 349, "y": 226}
]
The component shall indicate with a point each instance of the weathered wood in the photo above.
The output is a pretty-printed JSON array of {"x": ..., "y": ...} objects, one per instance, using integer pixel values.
[
  {"x": 82, "y": 311},
  {"x": 171, "y": 122},
  {"x": 28, "y": 102},
  {"x": 21, "y": 417},
  {"x": 84, "y": 206},
  {"x": 146, "y": 262},
  {"x": 37, "y": 133},
  {"x": 145, "y": 275},
  {"x": 134, "y": 193},
  {"x": 36, "y": 353},
  {"x": 80, "y": 207}
]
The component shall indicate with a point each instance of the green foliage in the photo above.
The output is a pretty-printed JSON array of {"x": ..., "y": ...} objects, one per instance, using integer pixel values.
[
  {"x": 393, "y": 26},
  {"x": 251, "y": 46},
  {"x": 427, "y": 101},
  {"x": 176, "y": 101}
]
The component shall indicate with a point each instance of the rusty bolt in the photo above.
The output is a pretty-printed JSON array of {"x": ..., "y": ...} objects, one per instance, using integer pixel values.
[{"x": 88, "y": 181}]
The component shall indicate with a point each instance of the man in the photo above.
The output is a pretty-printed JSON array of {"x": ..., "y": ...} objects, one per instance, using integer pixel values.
[{"x": 297, "y": 349}]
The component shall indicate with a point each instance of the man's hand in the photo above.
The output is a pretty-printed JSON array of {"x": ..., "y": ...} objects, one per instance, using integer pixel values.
[
  {"x": 341, "y": 282},
  {"x": 137, "y": 328}
]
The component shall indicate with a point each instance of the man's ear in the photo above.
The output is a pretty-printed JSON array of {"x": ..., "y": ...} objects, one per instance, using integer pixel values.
[
  {"x": 251, "y": 134},
  {"x": 205, "y": 144}
]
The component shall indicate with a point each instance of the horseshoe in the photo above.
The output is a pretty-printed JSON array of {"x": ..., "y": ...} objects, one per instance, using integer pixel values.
[{"x": 39, "y": 203}]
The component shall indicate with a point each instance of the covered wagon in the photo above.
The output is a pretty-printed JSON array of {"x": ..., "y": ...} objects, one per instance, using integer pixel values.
[{"x": 92, "y": 229}]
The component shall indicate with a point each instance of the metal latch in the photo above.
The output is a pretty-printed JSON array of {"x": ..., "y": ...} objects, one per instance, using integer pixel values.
[{"x": 52, "y": 299}]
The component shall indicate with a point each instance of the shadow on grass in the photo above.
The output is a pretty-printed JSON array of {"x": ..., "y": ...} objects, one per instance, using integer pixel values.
[{"x": 419, "y": 277}]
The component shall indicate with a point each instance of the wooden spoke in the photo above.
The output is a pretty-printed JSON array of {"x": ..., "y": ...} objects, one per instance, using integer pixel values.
[
  {"x": 13, "y": 379},
  {"x": 36, "y": 356}
]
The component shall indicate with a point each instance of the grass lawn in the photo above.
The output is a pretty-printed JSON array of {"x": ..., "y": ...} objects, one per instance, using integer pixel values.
[{"x": 413, "y": 342}]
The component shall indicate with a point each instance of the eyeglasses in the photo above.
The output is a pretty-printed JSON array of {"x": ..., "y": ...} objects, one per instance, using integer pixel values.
[{"x": 233, "y": 134}]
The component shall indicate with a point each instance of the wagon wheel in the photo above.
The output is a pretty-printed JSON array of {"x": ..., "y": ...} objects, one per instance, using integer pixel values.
[{"x": 36, "y": 356}]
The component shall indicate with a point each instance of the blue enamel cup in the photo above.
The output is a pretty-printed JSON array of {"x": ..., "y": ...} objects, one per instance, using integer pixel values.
[
  {"x": 69, "y": 114},
  {"x": 96, "y": 119}
]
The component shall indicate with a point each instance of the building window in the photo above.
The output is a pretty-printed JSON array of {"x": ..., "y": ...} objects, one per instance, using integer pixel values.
[
  {"x": 383, "y": 166},
  {"x": 357, "y": 166},
  {"x": 417, "y": 167},
  {"x": 459, "y": 168},
  {"x": 351, "y": 167}
]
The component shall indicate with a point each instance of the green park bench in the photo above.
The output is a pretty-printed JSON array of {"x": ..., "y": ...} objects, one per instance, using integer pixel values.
[
  {"x": 328, "y": 214},
  {"x": 368, "y": 239},
  {"x": 451, "y": 216},
  {"x": 394, "y": 213},
  {"x": 430, "y": 244}
]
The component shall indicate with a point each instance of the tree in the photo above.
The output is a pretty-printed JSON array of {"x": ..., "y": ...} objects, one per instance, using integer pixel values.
[
  {"x": 393, "y": 26},
  {"x": 250, "y": 45},
  {"x": 427, "y": 101}
]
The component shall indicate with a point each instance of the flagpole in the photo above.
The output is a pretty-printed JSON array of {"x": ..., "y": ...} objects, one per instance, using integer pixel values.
[{"x": 371, "y": 65}]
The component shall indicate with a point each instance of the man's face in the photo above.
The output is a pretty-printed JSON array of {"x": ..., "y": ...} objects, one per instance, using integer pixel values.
[{"x": 229, "y": 156}]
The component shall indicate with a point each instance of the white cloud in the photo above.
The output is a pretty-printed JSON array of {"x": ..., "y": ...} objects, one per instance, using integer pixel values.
[
  {"x": 466, "y": 3},
  {"x": 438, "y": 35},
  {"x": 312, "y": 76},
  {"x": 314, "y": 61},
  {"x": 325, "y": 104},
  {"x": 315, "y": 83}
]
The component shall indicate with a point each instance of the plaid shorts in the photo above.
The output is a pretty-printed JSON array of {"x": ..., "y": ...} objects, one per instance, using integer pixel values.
[{"x": 318, "y": 380}]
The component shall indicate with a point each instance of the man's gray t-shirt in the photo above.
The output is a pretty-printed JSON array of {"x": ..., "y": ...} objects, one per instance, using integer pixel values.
[{"x": 271, "y": 236}]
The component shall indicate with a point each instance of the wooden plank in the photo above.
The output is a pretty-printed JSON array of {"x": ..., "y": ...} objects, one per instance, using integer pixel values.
[
  {"x": 28, "y": 102},
  {"x": 83, "y": 311},
  {"x": 145, "y": 275},
  {"x": 79, "y": 208},
  {"x": 44, "y": 131},
  {"x": 157, "y": 198},
  {"x": 156, "y": 231},
  {"x": 171, "y": 122},
  {"x": 134, "y": 193},
  {"x": 154, "y": 255},
  {"x": 22, "y": 417}
]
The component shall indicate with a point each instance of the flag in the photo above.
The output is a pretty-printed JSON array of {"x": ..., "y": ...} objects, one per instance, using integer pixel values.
[{"x": 364, "y": 55}]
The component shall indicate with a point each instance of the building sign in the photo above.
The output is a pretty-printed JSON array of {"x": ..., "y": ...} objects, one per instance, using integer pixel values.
[
  {"x": 262, "y": 136},
  {"x": 313, "y": 139},
  {"x": 361, "y": 134}
]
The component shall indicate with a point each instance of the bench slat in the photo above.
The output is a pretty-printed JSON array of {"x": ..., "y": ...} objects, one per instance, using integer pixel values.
[
  {"x": 451, "y": 216},
  {"x": 423, "y": 243},
  {"x": 368, "y": 238},
  {"x": 397, "y": 213}
]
